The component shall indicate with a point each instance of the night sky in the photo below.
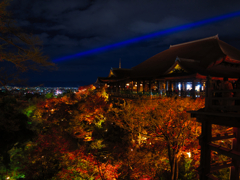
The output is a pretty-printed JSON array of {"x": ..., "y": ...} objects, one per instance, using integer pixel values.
[{"x": 68, "y": 27}]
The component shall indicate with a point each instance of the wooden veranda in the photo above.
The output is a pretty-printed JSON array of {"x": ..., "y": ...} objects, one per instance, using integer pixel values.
[{"x": 223, "y": 114}]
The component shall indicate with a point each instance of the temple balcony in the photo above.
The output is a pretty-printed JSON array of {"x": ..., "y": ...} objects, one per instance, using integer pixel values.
[{"x": 222, "y": 107}]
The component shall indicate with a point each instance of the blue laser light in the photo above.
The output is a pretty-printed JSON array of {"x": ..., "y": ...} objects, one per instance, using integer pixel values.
[{"x": 149, "y": 36}]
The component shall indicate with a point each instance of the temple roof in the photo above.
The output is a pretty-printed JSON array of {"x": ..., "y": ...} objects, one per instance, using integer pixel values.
[
  {"x": 119, "y": 72},
  {"x": 195, "y": 56},
  {"x": 208, "y": 56}
]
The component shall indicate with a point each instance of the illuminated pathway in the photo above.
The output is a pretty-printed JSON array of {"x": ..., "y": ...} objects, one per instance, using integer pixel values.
[{"x": 149, "y": 36}]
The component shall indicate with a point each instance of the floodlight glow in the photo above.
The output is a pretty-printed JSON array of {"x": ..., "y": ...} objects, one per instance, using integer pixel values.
[
  {"x": 197, "y": 88},
  {"x": 151, "y": 35},
  {"x": 189, "y": 87},
  {"x": 179, "y": 86}
]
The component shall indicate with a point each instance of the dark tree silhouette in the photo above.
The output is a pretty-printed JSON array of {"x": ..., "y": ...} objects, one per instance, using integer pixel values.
[{"x": 19, "y": 51}]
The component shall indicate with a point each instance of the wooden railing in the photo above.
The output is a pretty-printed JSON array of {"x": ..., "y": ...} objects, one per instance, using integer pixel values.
[
  {"x": 135, "y": 95},
  {"x": 223, "y": 100}
]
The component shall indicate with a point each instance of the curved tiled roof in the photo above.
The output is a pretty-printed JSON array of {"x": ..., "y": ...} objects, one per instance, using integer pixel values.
[
  {"x": 208, "y": 56},
  {"x": 205, "y": 52},
  {"x": 119, "y": 72}
]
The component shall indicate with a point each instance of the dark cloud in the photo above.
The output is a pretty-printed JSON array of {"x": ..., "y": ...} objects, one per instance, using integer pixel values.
[{"x": 71, "y": 26}]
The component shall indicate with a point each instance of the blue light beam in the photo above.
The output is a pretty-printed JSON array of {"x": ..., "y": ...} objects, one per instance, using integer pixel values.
[{"x": 149, "y": 36}]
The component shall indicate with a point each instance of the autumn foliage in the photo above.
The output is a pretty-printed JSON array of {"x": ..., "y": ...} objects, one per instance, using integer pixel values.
[{"x": 86, "y": 136}]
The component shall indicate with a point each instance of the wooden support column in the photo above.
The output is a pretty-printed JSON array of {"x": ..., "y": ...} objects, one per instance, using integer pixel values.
[
  {"x": 181, "y": 89},
  {"x": 208, "y": 95},
  {"x": 185, "y": 83},
  {"x": 201, "y": 85},
  {"x": 204, "y": 141},
  {"x": 131, "y": 86},
  {"x": 168, "y": 88},
  {"x": 164, "y": 86},
  {"x": 171, "y": 89},
  {"x": 234, "y": 173},
  {"x": 117, "y": 87},
  {"x": 149, "y": 87},
  {"x": 120, "y": 88},
  {"x": 200, "y": 90},
  {"x": 111, "y": 87},
  {"x": 144, "y": 86},
  {"x": 170, "y": 85},
  {"x": 193, "y": 90},
  {"x": 138, "y": 86}
]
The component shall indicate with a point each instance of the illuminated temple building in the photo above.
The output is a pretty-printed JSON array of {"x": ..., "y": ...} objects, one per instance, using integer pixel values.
[{"x": 177, "y": 69}]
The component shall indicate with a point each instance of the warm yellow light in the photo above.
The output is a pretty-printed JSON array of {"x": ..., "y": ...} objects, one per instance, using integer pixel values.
[{"x": 189, "y": 154}]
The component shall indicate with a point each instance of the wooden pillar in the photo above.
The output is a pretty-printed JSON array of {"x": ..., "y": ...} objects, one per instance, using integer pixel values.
[
  {"x": 150, "y": 87},
  {"x": 170, "y": 85},
  {"x": 143, "y": 86},
  {"x": 193, "y": 89},
  {"x": 111, "y": 87},
  {"x": 186, "y": 87},
  {"x": 182, "y": 89},
  {"x": 200, "y": 90},
  {"x": 205, "y": 159},
  {"x": 159, "y": 90},
  {"x": 170, "y": 88},
  {"x": 119, "y": 87},
  {"x": 131, "y": 86},
  {"x": 208, "y": 95},
  {"x": 176, "y": 89},
  {"x": 164, "y": 86},
  {"x": 116, "y": 87},
  {"x": 234, "y": 171},
  {"x": 167, "y": 88},
  {"x": 138, "y": 86}
]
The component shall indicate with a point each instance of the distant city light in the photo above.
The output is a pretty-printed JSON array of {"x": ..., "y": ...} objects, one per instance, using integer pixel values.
[
  {"x": 39, "y": 91},
  {"x": 149, "y": 36}
]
